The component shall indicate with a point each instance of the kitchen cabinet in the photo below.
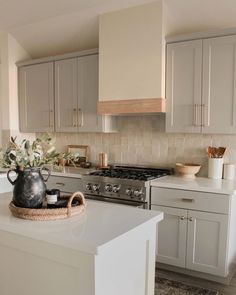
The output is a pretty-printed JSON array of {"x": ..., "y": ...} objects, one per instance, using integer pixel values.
[
  {"x": 36, "y": 98},
  {"x": 75, "y": 80},
  {"x": 172, "y": 236},
  {"x": 64, "y": 184},
  {"x": 201, "y": 86},
  {"x": 5, "y": 185},
  {"x": 191, "y": 236},
  {"x": 76, "y": 96}
]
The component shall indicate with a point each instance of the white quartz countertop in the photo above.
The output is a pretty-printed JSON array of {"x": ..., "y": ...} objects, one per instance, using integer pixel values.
[
  {"x": 73, "y": 172},
  {"x": 218, "y": 186},
  {"x": 88, "y": 232}
]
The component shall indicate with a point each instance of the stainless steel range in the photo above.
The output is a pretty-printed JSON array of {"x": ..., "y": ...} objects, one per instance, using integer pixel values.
[{"x": 122, "y": 184}]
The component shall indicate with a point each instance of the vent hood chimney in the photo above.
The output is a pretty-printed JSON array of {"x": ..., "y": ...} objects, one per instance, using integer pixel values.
[{"x": 132, "y": 60}]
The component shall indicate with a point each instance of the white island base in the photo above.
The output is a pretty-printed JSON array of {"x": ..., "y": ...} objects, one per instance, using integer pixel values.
[{"x": 108, "y": 250}]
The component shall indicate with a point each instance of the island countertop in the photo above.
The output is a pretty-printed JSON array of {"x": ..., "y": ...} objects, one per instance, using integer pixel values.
[{"x": 88, "y": 232}]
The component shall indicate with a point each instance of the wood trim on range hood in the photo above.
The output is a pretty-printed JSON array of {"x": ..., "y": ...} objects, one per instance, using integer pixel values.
[{"x": 132, "y": 106}]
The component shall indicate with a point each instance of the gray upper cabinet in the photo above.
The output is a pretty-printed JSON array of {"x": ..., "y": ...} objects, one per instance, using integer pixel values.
[
  {"x": 76, "y": 96},
  {"x": 201, "y": 86},
  {"x": 36, "y": 98},
  {"x": 73, "y": 84},
  {"x": 66, "y": 101},
  {"x": 219, "y": 85},
  {"x": 183, "y": 91}
]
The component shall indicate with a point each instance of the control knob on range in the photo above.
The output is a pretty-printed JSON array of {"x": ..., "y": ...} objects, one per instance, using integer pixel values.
[
  {"x": 137, "y": 193},
  {"x": 88, "y": 186},
  {"x": 95, "y": 187},
  {"x": 116, "y": 188},
  {"x": 129, "y": 191},
  {"x": 108, "y": 188}
]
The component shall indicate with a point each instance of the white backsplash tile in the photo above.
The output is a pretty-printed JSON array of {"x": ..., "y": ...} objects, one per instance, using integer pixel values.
[{"x": 142, "y": 140}]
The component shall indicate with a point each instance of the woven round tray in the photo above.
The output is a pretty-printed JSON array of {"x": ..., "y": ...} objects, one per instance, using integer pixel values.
[{"x": 50, "y": 214}]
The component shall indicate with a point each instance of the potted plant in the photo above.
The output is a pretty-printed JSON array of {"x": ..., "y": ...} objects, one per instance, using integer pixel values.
[{"x": 27, "y": 160}]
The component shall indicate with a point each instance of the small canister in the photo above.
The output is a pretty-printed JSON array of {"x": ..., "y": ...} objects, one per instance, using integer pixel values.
[
  {"x": 103, "y": 160},
  {"x": 229, "y": 171},
  {"x": 52, "y": 196}
]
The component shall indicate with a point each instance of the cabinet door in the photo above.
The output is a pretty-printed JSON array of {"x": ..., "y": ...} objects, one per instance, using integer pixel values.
[
  {"x": 65, "y": 184},
  {"x": 66, "y": 95},
  {"x": 183, "y": 90},
  {"x": 207, "y": 242},
  {"x": 171, "y": 236},
  {"x": 219, "y": 85},
  {"x": 88, "y": 119},
  {"x": 36, "y": 98}
]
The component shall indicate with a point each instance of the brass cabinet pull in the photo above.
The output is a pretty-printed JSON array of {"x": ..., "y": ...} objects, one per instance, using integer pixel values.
[
  {"x": 182, "y": 217},
  {"x": 81, "y": 117},
  {"x": 60, "y": 183},
  {"x": 74, "y": 118},
  {"x": 187, "y": 200},
  {"x": 51, "y": 115}
]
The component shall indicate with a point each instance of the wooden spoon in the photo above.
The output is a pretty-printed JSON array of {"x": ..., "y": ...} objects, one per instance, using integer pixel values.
[{"x": 221, "y": 152}]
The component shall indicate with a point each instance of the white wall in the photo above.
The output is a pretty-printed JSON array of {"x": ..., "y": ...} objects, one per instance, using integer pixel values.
[{"x": 11, "y": 53}]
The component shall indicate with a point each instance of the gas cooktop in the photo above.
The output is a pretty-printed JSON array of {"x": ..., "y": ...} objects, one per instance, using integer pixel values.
[{"x": 134, "y": 173}]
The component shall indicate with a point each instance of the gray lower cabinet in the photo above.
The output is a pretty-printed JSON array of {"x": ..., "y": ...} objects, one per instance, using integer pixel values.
[
  {"x": 196, "y": 233},
  {"x": 5, "y": 185},
  {"x": 36, "y": 98},
  {"x": 64, "y": 184}
]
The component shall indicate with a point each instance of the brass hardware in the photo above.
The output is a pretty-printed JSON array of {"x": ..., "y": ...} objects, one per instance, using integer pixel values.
[
  {"x": 195, "y": 115},
  {"x": 182, "y": 217},
  {"x": 51, "y": 118},
  {"x": 81, "y": 117},
  {"x": 74, "y": 118},
  {"x": 60, "y": 183},
  {"x": 187, "y": 200},
  {"x": 190, "y": 219}
]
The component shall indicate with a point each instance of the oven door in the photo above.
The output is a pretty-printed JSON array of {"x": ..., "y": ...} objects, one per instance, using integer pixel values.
[{"x": 141, "y": 205}]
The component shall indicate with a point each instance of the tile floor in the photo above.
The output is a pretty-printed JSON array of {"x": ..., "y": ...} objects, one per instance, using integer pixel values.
[{"x": 222, "y": 289}]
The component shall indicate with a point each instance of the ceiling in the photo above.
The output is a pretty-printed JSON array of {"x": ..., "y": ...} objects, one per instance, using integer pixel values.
[{"x": 49, "y": 27}]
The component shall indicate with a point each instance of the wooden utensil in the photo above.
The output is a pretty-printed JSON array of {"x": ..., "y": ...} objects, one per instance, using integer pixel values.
[{"x": 221, "y": 152}]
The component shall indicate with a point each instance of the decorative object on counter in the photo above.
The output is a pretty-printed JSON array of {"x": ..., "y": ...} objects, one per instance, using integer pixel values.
[
  {"x": 52, "y": 195},
  {"x": 78, "y": 154},
  {"x": 229, "y": 171},
  {"x": 29, "y": 187},
  {"x": 214, "y": 152},
  {"x": 187, "y": 170},
  {"x": 62, "y": 203},
  {"x": 26, "y": 160},
  {"x": 85, "y": 164},
  {"x": 50, "y": 214},
  {"x": 103, "y": 160},
  {"x": 215, "y": 162}
]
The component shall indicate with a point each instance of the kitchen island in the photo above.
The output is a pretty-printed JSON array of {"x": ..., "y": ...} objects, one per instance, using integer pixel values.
[{"x": 107, "y": 250}]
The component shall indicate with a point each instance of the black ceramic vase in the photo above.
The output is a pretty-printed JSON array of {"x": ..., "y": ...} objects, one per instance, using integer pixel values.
[{"x": 29, "y": 187}]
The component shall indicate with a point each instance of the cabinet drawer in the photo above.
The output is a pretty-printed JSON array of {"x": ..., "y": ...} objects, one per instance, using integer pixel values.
[
  {"x": 186, "y": 199},
  {"x": 65, "y": 184}
]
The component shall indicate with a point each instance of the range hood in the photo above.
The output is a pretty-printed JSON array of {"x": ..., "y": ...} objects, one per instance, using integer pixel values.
[
  {"x": 132, "y": 106},
  {"x": 132, "y": 61}
]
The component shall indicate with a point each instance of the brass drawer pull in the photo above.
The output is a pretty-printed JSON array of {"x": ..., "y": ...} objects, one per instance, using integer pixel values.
[
  {"x": 187, "y": 200},
  {"x": 60, "y": 183},
  {"x": 182, "y": 217}
]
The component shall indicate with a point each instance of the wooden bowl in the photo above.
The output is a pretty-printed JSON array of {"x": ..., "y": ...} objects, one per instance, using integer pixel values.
[{"x": 187, "y": 170}]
